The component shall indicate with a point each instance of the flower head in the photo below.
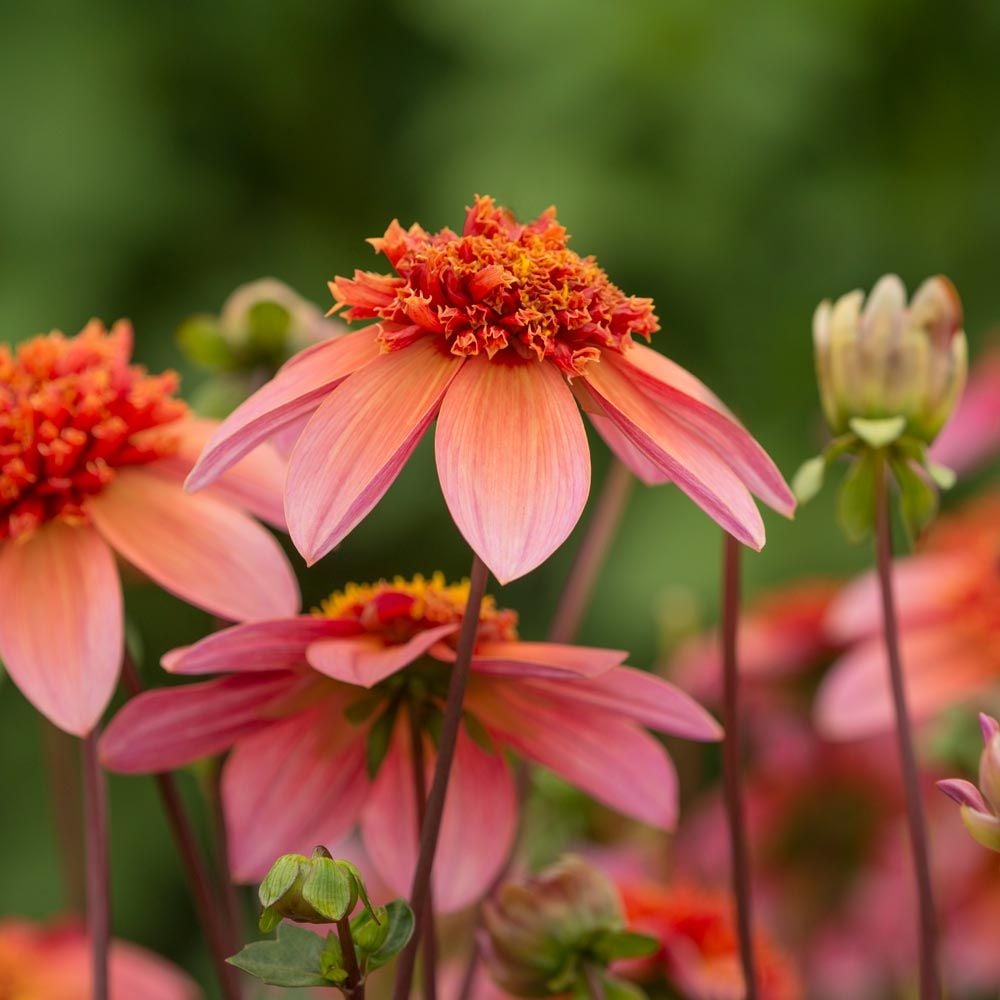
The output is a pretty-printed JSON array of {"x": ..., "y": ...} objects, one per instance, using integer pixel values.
[
  {"x": 981, "y": 806},
  {"x": 93, "y": 451},
  {"x": 329, "y": 713},
  {"x": 497, "y": 334}
]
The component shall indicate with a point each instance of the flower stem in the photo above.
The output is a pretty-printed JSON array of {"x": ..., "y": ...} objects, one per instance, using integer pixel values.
[
  {"x": 442, "y": 771},
  {"x": 206, "y": 904},
  {"x": 732, "y": 761},
  {"x": 95, "y": 820},
  {"x": 62, "y": 763},
  {"x": 354, "y": 987},
  {"x": 228, "y": 890},
  {"x": 420, "y": 793},
  {"x": 595, "y": 987},
  {"x": 930, "y": 976}
]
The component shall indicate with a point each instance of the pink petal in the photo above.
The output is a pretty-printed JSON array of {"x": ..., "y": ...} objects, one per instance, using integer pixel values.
[
  {"x": 941, "y": 670},
  {"x": 365, "y": 660},
  {"x": 602, "y": 752},
  {"x": 358, "y": 440},
  {"x": 202, "y": 550},
  {"x": 477, "y": 830},
  {"x": 514, "y": 462},
  {"x": 295, "y": 390},
  {"x": 61, "y": 624},
  {"x": 643, "y": 468},
  {"x": 297, "y": 784},
  {"x": 684, "y": 397},
  {"x": 540, "y": 659},
  {"x": 690, "y": 462},
  {"x": 641, "y": 696},
  {"x": 964, "y": 793},
  {"x": 163, "y": 729},
  {"x": 972, "y": 435},
  {"x": 276, "y": 644}
]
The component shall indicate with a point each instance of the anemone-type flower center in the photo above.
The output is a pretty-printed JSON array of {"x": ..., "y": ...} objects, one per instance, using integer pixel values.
[
  {"x": 506, "y": 290},
  {"x": 72, "y": 412}
]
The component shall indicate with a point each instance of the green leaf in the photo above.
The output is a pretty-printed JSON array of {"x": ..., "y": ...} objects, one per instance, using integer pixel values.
[
  {"x": 917, "y": 498},
  {"x": 878, "y": 433},
  {"x": 623, "y": 944},
  {"x": 328, "y": 889},
  {"x": 808, "y": 481},
  {"x": 378, "y": 740},
  {"x": 280, "y": 879},
  {"x": 944, "y": 477},
  {"x": 293, "y": 958},
  {"x": 856, "y": 500},
  {"x": 400, "y": 919}
]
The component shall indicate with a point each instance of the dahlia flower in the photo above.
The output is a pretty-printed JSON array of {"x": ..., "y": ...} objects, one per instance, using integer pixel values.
[
  {"x": 93, "y": 452},
  {"x": 493, "y": 332},
  {"x": 318, "y": 711}
]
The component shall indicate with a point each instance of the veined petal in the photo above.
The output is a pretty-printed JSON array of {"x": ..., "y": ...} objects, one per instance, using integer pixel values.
[
  {"x": 477, "y": 829},
  {"x": 61, "y": 627},
  {"x": 204, "y": 551},
  {"x": 602, "y": 752},
  {"x": 298, "y": 783},
  {"x": 641, "y": 696},
  {"x": 514, "y": 462},
  {"x": 164, "y": 729},
  {"x": 690, "y": 462},
  {"x": 358, "y": 440},
  {"x": 365, "y": 660},
  {"x": 643, "y": 468},
  {"x": 683, "y": 396},
  {"x": 541, "y": 659},
  {"x": 274, "y": 644},
  {"x": 288, "y": 396}
]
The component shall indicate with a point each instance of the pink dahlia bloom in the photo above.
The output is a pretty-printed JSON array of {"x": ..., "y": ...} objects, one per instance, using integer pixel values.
[
  {"x": 948, "y": 598},
  {"x": 53, "y": 963},
  {"x": 493, "y": 332},
  {"x": 93, "y": 454},
  {"x": 318, "y": 712}
]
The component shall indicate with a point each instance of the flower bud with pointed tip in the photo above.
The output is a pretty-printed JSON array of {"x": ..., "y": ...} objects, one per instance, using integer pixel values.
[
  {"x": 883, "y": 358},
  {"x": 313, "y": 890}
]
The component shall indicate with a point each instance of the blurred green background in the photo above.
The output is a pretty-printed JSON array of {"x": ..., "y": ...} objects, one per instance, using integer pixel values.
[{"x": 737, "y": 163}]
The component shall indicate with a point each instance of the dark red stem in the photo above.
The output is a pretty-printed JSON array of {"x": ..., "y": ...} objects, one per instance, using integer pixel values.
[
  {"x": 420, "y": 792},
  {"x": 354, "y": 987},
  {"x": 62, "y": 763},
  {"x": 95, "y": 821}
]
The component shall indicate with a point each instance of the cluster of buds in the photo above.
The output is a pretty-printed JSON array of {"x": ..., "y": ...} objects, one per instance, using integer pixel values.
[
  {"x": 981, "y": 806},
  {"x": 889, "y": 376},
  {"x": 557, "y": 933}
]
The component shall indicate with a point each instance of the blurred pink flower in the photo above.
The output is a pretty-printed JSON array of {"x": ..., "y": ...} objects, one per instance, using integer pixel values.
[
  {"x": 310, "y": 698},
  {"x": 493, "y": 332},
  {"x": 53, "y": 963},
  {"x": 93, "y": 452}
]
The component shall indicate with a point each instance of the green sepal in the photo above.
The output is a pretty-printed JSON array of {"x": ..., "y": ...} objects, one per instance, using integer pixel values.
[
  {"x": 370, "y": 928},
  {"x": 363, "y": 709},
  {"x": 280, "y": 879},
  {"x": 399, "y": 918},
  {"x": 943, "y": 477},
  {"x": 478, "y": 733},
  {"x": 203, "y": 343},
  {"x": 269, "y": 919},
  {"x": 293, "y": 958},
  {"x": 268, "y": 324},
  {"x": 808, "y": 480},
  {"x": 378, "y": 740},
  {"x": 622, "y": 989},
  {"x": 332, "y": 960},
  {"x": 856, "y": 500},
  {"x": 328, "y": 888},
  {"x": 359, "y": 885},
  {"x": 918, "y": 500},
  {"x": 878, "y": 433},
  {"x": 612, "y": 945}
]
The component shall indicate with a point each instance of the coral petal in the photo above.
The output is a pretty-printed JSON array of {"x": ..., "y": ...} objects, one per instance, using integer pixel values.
[{"x": 542, "y": 659}]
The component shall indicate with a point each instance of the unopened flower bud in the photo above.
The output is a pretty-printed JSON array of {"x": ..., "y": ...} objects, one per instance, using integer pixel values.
[
  {"x": 981, "y": 806},
  {"x": 313, "y": 890},
  {"x": 883, "y": 359}
]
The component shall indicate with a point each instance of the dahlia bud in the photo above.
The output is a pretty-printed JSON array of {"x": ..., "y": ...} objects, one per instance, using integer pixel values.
[
  {"x": 545, "y": 937},
  {"x": 889, "y": 361},
  {"x": 981, "y": 806}
]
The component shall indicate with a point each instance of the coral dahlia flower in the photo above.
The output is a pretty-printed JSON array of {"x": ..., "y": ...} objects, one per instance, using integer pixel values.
[
  {"x": 493, "y": 332},
  {"x": 93, "y": 453},
  {"x": 948, "y": 603},
  {"x": 318, "y": 712}
]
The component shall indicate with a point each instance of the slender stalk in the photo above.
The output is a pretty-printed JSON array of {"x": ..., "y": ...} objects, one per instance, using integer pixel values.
[
  {"x": 442, "y": 771},
  {"x": 595, "y": 986},
  {"x": 227, "y": 889},
  {"x": 62, "y": 763},
  {"x": 930, "y": 975},
  {"x": 354, "y": 987},
  {"x": 95, "y": 821},
  {"x": 732, "y": 761},
  {"x": 206, "y": 904},
  {"x": 420, "y": 794}
]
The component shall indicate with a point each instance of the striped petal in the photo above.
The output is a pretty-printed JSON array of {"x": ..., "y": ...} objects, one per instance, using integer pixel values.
[{"x": 540, "y": 659}]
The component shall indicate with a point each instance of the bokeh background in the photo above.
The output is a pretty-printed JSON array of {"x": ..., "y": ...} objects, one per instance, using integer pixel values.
[{"x": 737, "y": 163}]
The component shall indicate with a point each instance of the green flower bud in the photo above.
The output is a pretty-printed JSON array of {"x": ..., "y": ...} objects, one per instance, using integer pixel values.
[
  {"x": 314, "y": 890},
  {"x": 883, "y": 359}
]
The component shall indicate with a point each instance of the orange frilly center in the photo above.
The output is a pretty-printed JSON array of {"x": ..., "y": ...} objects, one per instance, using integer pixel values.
[
  {"x": 72, "y": 412},
  {"x": 395, "y": 611},
  {"x": 503, "y": 289}
]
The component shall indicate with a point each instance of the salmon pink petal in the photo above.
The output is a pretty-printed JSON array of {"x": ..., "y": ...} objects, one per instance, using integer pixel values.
[
  {"x": 365, "y": 660},
  {"x": 687, "y": 458},
  {"x": 61, "y": 627},
  {"x": 275, "y": 644},
  {"x": 641, "y": 696},
  {"x": 477, "y": 830},
  {"x": 514, "y": 462},
  {"x": 682, "y": 395},
  {"x": 602, "y": 752},
  {"x": 298, "y": 783},
  {"x": 295, "y": 390},
  {"x": 643, "y": 468},
  {"x": 972, "y": 435},
  {"x": 541, "y": 659},
  {"x": 204, "y": 551},
  {"x": 855, "y": 699},
  {"x": 358, "y": 440},
  {"x": 163, "y": 729},
  {"x": 964, "y": 793}
]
